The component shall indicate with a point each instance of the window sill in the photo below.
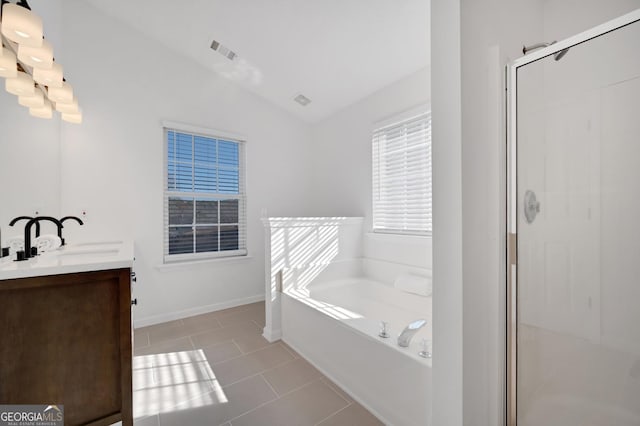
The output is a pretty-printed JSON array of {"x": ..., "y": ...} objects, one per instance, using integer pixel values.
[{"x": 202, "y": 262}]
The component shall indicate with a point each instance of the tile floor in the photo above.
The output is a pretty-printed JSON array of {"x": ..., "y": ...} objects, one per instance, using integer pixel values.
[{"x": 217, "y": 369}]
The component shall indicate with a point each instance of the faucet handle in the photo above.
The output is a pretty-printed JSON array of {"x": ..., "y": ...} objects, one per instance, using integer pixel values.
[
  {"x": 425, "y": 352},
  {"x": 384, "y": 333}
]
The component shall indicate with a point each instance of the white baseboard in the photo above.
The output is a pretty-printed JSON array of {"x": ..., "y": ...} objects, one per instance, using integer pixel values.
[
  {"x": 331, "y": 377},
  {"x": 271, "y": 335},
  {"x": 185, "y": 313}
]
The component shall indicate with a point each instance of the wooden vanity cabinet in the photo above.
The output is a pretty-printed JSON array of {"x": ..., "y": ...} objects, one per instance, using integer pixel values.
[{"x": 66, "y": 339}]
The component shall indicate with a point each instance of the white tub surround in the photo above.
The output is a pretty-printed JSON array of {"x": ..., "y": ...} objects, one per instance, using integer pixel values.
[
  {"x": 299, "y": 249},
  {"x": 328, "y": 301},
  {"x": 335, "y": 324},
  {"x": 83, "y": 257}
]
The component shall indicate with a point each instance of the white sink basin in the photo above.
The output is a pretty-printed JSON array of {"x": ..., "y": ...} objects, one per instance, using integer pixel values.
[
  {"x": 96, "y": 243},
  {"x": 84, "y": 252}
]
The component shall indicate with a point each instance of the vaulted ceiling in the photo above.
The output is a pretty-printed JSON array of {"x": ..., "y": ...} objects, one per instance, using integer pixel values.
[{"x": 334, "y": 52}]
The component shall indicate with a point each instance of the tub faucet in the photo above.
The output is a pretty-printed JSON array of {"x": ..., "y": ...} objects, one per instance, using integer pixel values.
[{"x": 404, "y": 339}]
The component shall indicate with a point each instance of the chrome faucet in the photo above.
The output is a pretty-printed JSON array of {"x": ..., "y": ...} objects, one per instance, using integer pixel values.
[{"x": 404, "y": 339}]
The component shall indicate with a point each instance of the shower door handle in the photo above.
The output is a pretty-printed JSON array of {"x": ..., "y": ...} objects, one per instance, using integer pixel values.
[{"x": 531, "y": 206}]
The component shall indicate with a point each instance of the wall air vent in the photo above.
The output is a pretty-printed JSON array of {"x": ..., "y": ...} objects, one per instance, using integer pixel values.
[
  {"x": 302, "y": 100},
  {"x": 223, "y": 50}
]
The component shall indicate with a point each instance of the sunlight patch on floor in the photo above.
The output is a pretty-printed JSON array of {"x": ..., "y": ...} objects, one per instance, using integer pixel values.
[{"x": 174, "y": 381}]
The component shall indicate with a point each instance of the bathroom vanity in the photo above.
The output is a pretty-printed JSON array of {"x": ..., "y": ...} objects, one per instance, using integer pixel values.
[{"x": 65, "y": 332}]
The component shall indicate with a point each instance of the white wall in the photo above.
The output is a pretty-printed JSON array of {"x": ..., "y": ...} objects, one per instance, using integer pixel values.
[
  {"x": 342, "y": 146},
  {"x": 29, "y": 166},
  {"x": 491, "y": 33},
  {"x": 111, "y": 165},
  {"x": 342, "y": 165},
  {"x": 447, "y": 403}
]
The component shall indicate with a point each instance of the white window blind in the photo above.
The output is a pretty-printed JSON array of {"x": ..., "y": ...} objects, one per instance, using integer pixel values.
[
  {"x": 205, "y": 200},
  {"x": 402, "y": 176}
]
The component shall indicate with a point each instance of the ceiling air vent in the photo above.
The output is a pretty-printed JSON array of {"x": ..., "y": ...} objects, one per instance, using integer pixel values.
[
  {"x": 302, "y": 100},
  {"x": 223, "y": 50}
]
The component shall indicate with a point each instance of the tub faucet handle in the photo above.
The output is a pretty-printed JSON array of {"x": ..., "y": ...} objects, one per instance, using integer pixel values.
[
  {"x": 425, "y": 352},
  {"x": 384, "y": 333}
]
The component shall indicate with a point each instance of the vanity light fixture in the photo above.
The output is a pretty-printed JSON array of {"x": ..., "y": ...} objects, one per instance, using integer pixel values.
[
  {"x": 21, "y": 25},
  {"x": 27, "y": 63},
  {"x": 45, "y": 111},
  {"x": 34, "y": 101},
  {"x": 63, "y": 94},
  {"x": 75, "y": 118},
  {"x": 8, "y": 66},
  {"x": 37, "y": 57},
  {"x": 51, "y": 77},
  {"x": 22, "y": 84},
  {"x": 68, "y": 108}
]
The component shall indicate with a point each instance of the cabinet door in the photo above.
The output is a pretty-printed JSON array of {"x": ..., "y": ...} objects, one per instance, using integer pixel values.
[{"x": 66, "y": 339}]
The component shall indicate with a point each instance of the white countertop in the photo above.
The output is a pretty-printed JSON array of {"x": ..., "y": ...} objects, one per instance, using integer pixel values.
[{"x": 83, "y": 257}]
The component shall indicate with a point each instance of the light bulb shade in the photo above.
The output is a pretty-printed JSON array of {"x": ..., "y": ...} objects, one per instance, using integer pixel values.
[
  {"x": 69, "y": 108},
  {"x": 51, "y": 77},
  {"x": 22, "y": 84},
  {"x": 8, "y": 64},
  {"x": 75, "y": 118},
  {"x": 20, "y": 25},
  {"x": 45, "y": 111},
  {"x": 63, "y": 94},
  {"x": 34, "y": 101},
  {"x": 37, "y": 57}
]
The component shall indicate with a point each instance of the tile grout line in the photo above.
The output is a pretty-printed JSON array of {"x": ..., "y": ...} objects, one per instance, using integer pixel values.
[
  {"x": 300, "y": 387},
  {"x": 253, "y": 409},
  {"x": 237, "y": 347},
  {"x": 288, "y": 393},
  {"x": 291, "y": 350},
  {"x": 277, "y": 394},
  {"x": 215, "y": 314},
  {"x": 197, "y": 333},
  {"x": 268, "y": 402},
  {"x": 148, "y": 339},
  {"x": 247, "y": 353},
  {"x": 192, "y": 330},
  {"x": 256, "y": 374},
  {"x": 333, "y": 389},
  {"x": 223, "y": 327},
  {"x": 293, "y": 354},
  {"x": 333, "y": 414}
]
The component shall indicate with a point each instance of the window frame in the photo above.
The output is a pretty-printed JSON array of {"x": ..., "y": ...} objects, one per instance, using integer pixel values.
[
  {"x": 195, "y": 131},
  {"x": 391, "y": 121}
]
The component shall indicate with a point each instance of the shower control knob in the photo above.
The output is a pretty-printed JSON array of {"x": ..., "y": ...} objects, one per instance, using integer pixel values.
[{"x": 384, "y": 333}]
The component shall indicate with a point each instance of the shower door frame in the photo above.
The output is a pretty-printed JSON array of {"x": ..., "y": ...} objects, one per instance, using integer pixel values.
[{"x": 512, "y": 193}]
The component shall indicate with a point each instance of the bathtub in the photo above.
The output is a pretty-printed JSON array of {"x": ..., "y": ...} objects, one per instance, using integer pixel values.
[{"x": 335, "y": 324}]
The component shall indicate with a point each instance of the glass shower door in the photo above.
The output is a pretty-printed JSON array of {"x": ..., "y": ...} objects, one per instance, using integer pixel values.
[{"x": 577, "y": 292}]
